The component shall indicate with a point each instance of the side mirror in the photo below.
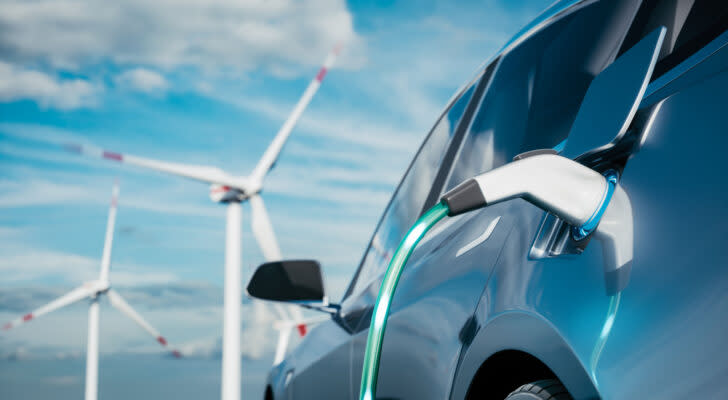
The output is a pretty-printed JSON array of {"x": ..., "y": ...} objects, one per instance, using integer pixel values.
[{"x": 294, "y": 281}]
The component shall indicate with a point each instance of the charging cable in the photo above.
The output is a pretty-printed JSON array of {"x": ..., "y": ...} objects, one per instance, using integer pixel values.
[{"x": 573, "y": 192}]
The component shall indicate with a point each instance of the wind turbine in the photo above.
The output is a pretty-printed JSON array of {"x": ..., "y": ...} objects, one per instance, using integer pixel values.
[
  {"x": 232, "y": 190},
  {"x": 93, "y": 290}
]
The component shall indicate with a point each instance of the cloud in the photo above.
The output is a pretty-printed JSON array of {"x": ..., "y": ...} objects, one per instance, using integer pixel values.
[
  {"x": 26, "y": 299},
  {"x": 17, "y": 354},
  {"x": 223, "y": 35},
  {"x": 173, "y": 295},
  {"x": 143, "y": 80},
  {"x": 39, "y": 133},
  {"x": 188, "y": 314},
  {"x": 41, "y": 192},
  {"x": 349, "y": 127},
  {"x": 24, "y": 194},
  {"x": 324, "y": 183},
  {"x": 211, "y": 348},
  {"x": 18, "y": 83},
  {"x": 63, "y": 380},
  {"x": 181, "y": 295},
  {"x": 22, "y": 263}
]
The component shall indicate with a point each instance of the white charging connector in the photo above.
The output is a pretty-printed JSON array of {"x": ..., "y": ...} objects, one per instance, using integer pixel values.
[
  {"x": 571, "y": 191},
  {"x": 583, "y": 198}
]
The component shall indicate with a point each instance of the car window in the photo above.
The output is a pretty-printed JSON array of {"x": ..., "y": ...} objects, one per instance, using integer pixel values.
[
  {"x": 537, "y": 88},
  {"x": 691, "y": 24},
  {"x": 407, "y": 201}
]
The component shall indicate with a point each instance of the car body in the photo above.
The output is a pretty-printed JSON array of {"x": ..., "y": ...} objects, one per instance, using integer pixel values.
[{"x": 485, "y": 303}]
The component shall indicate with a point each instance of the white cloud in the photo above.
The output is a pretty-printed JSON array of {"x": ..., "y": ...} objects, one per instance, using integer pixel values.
[
  {"x": 143, "y": 80},
  {"x": 63, "y": 380},
  {"x": 41, "y": 133},
  {"x": 32, "y": 192},
  {"x": 22, "y": 263},
  {"x": 38, "y": 192},
  {"x": 188, "y": 315},
  {"x": 354, "y": 128},
  {"x": 18, "y": 83},
  {"x": 228, "y": 34}
]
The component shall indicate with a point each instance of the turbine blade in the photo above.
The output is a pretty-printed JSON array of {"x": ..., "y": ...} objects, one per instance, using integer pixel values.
[
  {"x": 71, "y": 297},
  {"x": 266, "y": 239},
  {"x": 263, "y": 230},
  {"x": 280, "y": 310},
  {"x": 120, "y": 304},
  {"x": 212, "y": 175},
  {"x": 109, "y": 238},
  {"x": 284, "y": 336},
  {"x": 274, "y": 149}
]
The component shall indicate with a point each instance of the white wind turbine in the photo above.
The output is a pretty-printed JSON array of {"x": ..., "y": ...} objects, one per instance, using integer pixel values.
[
  {"x": 93, "y": 290},
  {"x": 233, "y": 190}
]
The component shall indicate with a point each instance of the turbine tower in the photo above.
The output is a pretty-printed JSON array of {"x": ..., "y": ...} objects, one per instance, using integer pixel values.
[
  {"x": 232, "y": 190},
  {"x": 93, "y": 290}
]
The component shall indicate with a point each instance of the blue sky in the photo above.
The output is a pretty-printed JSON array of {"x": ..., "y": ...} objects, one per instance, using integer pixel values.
[{"x": 209, "y": 85}]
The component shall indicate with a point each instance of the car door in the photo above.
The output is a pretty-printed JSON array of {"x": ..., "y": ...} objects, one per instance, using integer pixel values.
[
  {"x": 668, "y": 331},
  {"x": 657, "y": 333},
  {"x": 529, "y": 103},
  {"x": 319, "y": 368}
]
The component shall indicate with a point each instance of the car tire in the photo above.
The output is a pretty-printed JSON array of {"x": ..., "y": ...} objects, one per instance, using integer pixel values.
[{"x": 547, "y": 389}]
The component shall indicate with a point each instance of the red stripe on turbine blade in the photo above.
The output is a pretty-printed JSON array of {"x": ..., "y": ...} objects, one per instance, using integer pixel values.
[
  {"x": 162, "y": 340},
  {"x": 7, "y": 326},
  {"x": 113, "y": 156},
  {"x": 176, "y": 354},
  {"x": 321, "y": 74},
  {"x": 301, "y": 329},
  {"x": 28, "y": 317}
]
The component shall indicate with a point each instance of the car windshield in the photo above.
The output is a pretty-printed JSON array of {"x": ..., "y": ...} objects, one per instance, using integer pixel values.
[
  {"x": 411, "y": 194},
  {"x": 538, "y": 87}
]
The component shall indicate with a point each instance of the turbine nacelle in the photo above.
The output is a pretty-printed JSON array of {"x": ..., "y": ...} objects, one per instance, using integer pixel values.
[
  {"x": 243, "y": 190},
  {"x": 97, "y": 287},
  {"x": 225, "y": 194}
]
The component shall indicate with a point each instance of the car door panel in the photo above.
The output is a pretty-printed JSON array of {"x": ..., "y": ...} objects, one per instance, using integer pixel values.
[
  {"x": 671, "y": 318},
  {"x": 662, "y": 335},
  {"x": 321, "y": 364},
  {"x": 432, "y": 308}
]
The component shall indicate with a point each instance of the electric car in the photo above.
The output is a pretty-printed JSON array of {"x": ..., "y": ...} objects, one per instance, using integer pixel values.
[{"x": 508, "y": 301}]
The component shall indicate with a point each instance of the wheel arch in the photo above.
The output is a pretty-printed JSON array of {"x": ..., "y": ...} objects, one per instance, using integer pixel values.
[{"x": 520, "y": 337}]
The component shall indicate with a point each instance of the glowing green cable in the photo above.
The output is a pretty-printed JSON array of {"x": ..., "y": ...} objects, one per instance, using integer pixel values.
[
  {"x": 370, "y": 371},
  {"x": 606, "y": 328}
]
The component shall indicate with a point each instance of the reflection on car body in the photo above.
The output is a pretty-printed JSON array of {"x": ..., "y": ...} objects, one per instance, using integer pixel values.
[{"x": 498, "y": 298}]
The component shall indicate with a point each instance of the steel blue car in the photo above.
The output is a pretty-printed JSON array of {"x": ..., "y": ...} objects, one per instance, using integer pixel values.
[{"x": 505, "y": 302}]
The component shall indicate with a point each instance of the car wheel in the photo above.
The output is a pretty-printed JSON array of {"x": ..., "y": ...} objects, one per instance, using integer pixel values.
[{"x": 547, "y": 389}]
